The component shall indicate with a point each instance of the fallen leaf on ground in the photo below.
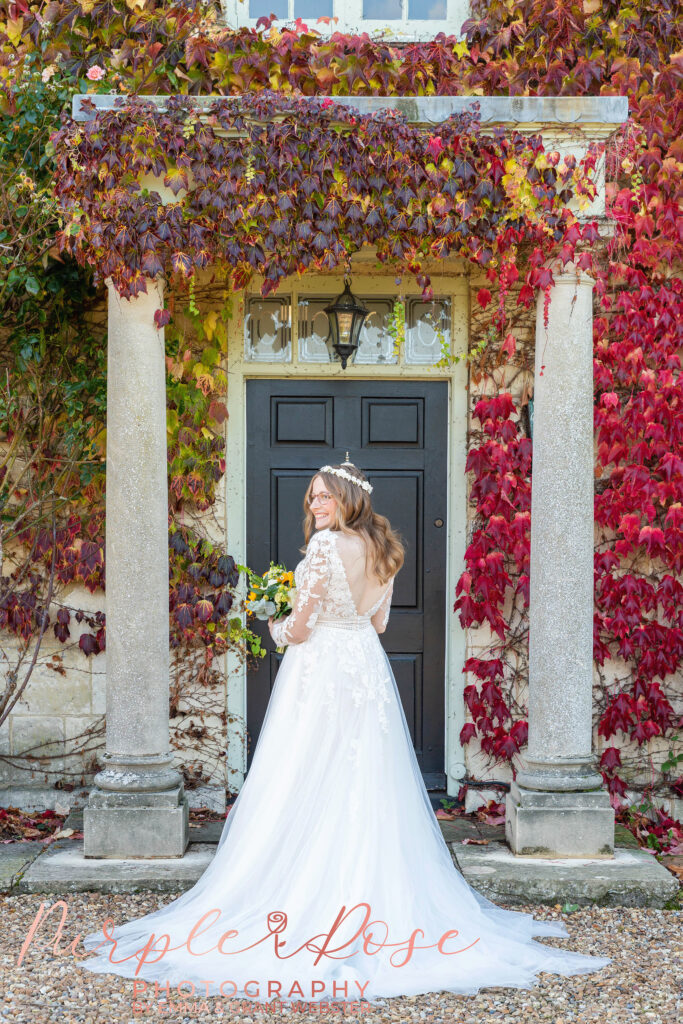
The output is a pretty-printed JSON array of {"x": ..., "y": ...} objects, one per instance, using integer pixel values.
[{"x": 493, "y": 813}]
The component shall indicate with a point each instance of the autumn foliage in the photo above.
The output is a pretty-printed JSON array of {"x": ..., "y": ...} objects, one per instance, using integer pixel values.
[{"x": 532, "y": 47}]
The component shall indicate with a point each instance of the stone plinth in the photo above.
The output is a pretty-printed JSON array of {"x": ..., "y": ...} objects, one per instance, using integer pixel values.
[
  {"x": 559, "y": 824},
  {"x": 136, "y": 825}
]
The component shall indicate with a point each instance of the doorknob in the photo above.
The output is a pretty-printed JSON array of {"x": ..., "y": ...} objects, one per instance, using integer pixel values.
[{"x": 438, "y": 522}]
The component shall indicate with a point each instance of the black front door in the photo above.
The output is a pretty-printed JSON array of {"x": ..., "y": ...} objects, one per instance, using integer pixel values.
[{"x": 396, "y": 432}]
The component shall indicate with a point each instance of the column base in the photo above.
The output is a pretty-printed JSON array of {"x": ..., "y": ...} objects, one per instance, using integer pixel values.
[
  {"x": 555, "y": 824},
  {"x": 563, "y": 774},
  {"x": 136, "y": 824},
  {"x": 145, "y": 773}
]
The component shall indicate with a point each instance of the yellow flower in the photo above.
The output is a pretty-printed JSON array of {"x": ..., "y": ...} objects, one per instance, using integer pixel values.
[{"x": 252, "y": 596}]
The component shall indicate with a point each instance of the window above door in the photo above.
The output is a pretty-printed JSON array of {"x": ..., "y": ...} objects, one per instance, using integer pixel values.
[
  {"x": 399, "y": 20},
  {"x": 424, "y": 329}
]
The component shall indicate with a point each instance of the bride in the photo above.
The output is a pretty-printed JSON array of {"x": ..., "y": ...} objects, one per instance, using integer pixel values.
[{"x": 332, "y": 880}]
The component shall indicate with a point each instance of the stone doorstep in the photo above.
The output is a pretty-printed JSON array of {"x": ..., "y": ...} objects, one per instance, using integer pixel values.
[
  {"x": 63, "y": 868},
  {"x": 633, "y": 878}
]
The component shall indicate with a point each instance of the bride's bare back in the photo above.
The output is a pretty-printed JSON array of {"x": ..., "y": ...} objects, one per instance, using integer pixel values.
[
  {"x": 365, "y": 588},
  {"x": 333, "y": 580}
]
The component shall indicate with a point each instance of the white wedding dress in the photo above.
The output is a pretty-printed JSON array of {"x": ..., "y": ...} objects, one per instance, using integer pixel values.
[{"x": 334, "y": 815}]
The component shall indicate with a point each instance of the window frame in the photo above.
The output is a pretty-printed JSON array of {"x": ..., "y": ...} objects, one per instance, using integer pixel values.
[
  {"x": 324, "y": 287},
  {"x": 351, "y": 21}
]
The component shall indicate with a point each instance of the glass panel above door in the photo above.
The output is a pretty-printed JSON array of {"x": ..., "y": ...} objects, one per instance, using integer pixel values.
[
  {"x": 313, "y": 330},
  {"x": 280, "y": 8},
  {"x": 376, "y": 344},
  {"x": 428, "y": 324},
  {"x": 427, "y": 10},
  {"x": 268, "y": 330},
  {"x": 313, "y": 9},
  {"x": 378, "y": 10}
]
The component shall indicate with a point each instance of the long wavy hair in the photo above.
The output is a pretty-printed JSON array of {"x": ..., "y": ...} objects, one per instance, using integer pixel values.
[{"x": 354, "y": 514}]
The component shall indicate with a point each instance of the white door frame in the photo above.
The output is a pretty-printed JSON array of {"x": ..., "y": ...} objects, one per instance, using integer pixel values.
[{"x": 240, "y": 370}]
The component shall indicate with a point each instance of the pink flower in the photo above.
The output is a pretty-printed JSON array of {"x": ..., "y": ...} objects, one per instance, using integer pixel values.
[{"x": 95, "y": 73}]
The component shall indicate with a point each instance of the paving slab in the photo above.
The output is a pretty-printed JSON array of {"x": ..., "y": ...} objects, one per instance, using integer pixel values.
[
  {"x": 468, "y": 828},
  {"x": 14, "y": 859},
  {"x": 633, "y": 878},
  {"x": 63, "y": 868}
]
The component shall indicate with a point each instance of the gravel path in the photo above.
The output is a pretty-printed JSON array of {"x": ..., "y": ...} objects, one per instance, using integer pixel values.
[{"x": 644, "y": 984}]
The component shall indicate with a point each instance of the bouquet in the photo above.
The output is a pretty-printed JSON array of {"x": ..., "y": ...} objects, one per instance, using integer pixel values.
[{"x": 270, "y": 594}]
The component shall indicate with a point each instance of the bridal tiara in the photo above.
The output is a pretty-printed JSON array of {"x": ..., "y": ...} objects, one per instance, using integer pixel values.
[{"x": 347, "y": 476}]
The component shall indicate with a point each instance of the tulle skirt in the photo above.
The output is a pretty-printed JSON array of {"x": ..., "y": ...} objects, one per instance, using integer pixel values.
[{"x": 331, "y": 879}]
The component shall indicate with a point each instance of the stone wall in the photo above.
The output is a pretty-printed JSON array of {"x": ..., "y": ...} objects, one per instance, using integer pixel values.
[{"x": 60, "y": 717}]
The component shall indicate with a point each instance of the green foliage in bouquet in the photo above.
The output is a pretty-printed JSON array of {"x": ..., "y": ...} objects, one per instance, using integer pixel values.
[{"x": 271, "y": 594}]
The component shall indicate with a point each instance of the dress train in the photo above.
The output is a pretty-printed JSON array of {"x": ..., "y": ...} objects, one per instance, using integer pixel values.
[{"x": 333, "y": 824}]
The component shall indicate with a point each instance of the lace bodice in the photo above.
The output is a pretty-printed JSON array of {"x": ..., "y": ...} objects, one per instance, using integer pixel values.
[{"x": 323, "y": 591}]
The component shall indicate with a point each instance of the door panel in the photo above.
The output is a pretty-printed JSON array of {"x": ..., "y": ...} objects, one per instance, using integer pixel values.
[{"x": 396, "y": 431}]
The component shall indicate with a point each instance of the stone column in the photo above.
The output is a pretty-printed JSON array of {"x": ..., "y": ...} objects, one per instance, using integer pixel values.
[
  {"x": 138, "y": 807},
  {"x": 556, "y": 807}
]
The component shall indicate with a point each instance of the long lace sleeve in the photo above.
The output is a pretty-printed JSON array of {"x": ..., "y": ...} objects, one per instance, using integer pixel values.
[
  {"x": 315, "y": 578},
  {"x": 381, "y": 616}
]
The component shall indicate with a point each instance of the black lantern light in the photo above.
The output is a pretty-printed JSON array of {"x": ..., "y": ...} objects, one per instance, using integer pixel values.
[{"x": 346, "y": 315}]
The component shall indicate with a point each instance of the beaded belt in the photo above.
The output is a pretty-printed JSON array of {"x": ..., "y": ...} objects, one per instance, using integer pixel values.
[{"x": 362, "y": 622}]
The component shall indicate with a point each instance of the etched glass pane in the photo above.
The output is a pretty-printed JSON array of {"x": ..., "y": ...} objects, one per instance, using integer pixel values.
[
  {"x": 312, "y": 9},
  {"x": 376, "y": 344},
  {"x": 380, "y": 10},
  {"x": 427, "y": 10},
  {"x": 267, "y": 330},
  {"x": 428, "y": 326},
  {"x": 313, "y": 330},
  {"x": 259, "y": 9}
]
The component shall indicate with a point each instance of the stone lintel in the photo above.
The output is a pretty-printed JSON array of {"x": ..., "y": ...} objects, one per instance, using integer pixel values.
[{"x": 595, "y": 115}]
